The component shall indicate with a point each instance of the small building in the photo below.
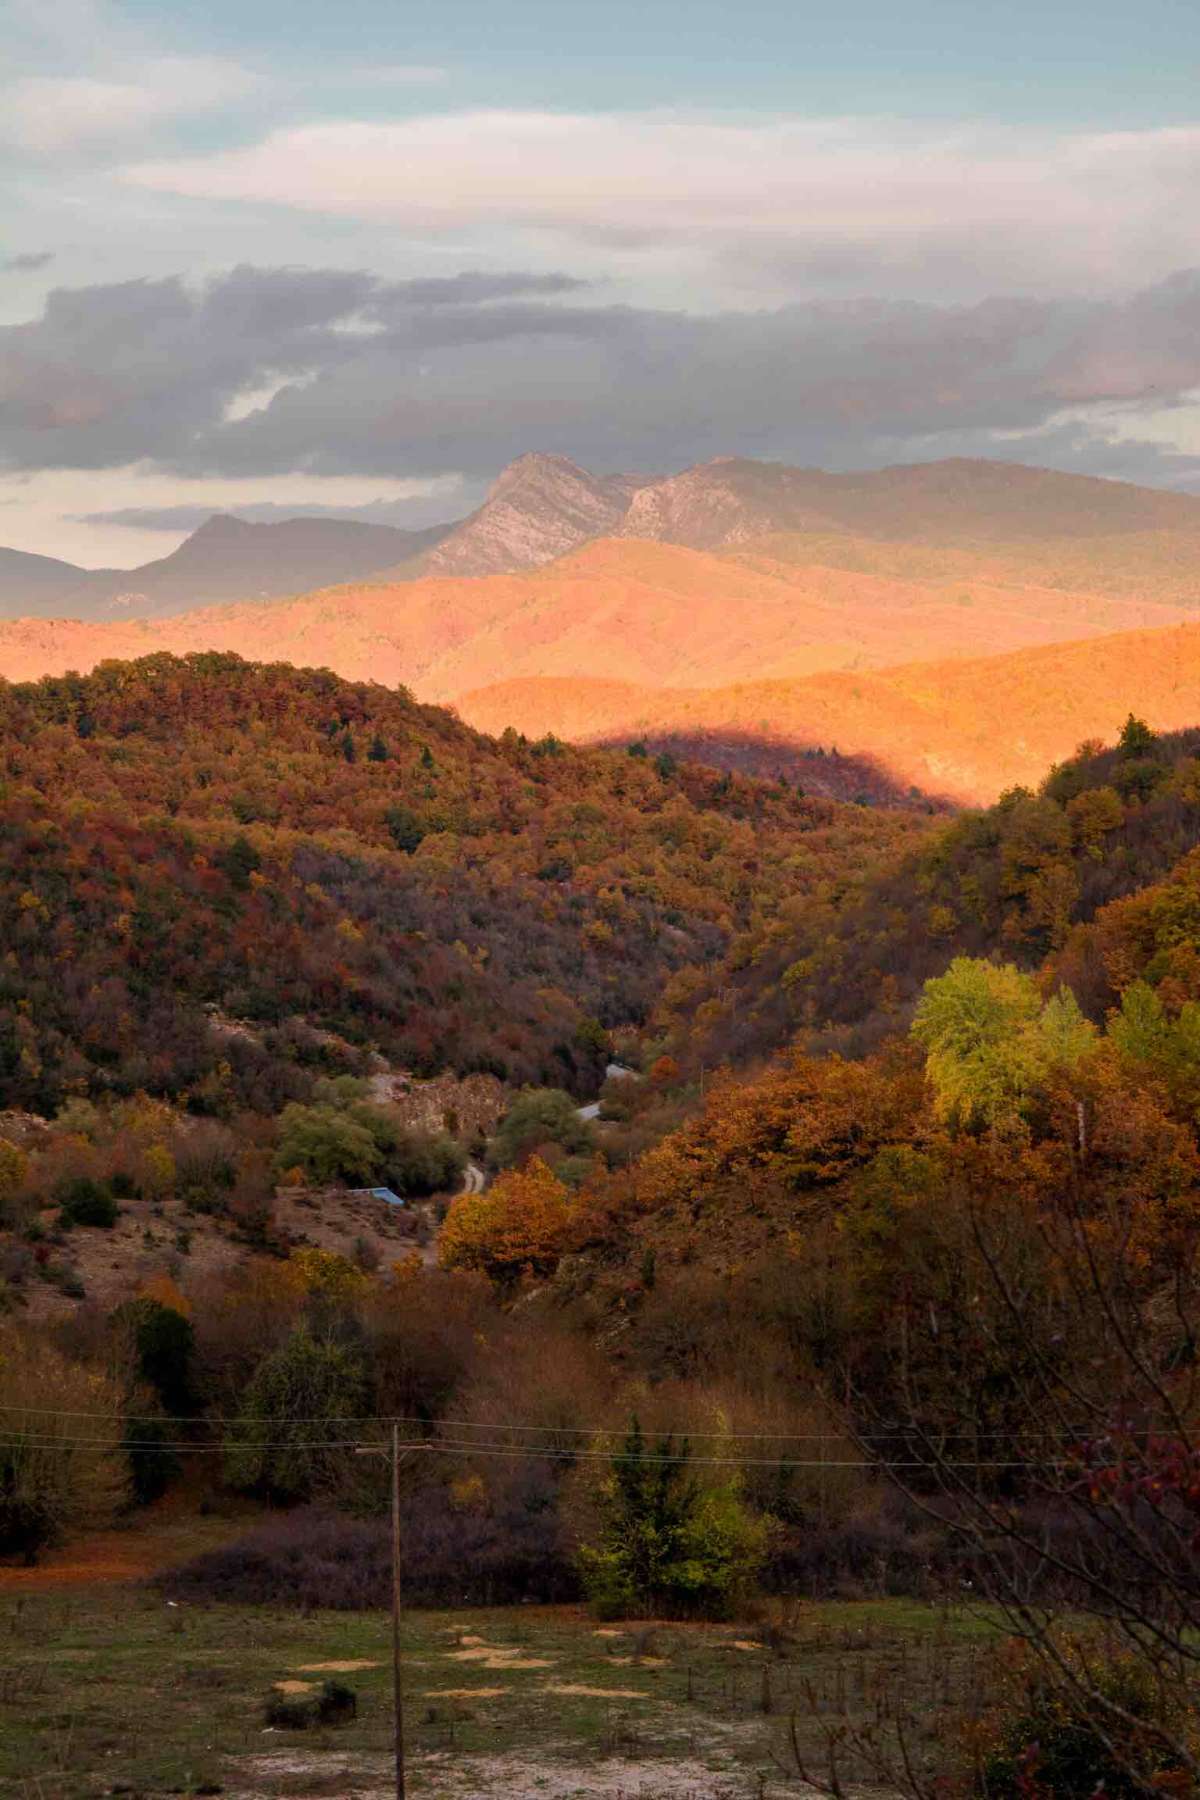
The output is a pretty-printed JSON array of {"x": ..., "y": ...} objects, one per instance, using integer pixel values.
[{"x": 378, "y": 1193}]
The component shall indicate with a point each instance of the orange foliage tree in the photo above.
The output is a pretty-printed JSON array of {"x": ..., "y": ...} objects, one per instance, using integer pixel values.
[{"x": 519, "y": 1226}]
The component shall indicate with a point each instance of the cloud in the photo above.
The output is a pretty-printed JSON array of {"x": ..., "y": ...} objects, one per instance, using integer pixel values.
[
  {"x": 27, "y": 262},
  {"x": 271, "y": 372},
  {"x": 837, "y": 204},
  {"x": 48, "y": 115},
  {"x": 398, "y": 75}
]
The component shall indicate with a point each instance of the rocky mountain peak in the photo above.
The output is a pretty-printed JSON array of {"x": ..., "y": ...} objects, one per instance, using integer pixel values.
[{"x": 538, "y": 508}]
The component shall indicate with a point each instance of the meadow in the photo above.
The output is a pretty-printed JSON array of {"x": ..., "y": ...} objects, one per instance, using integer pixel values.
[{"x": 105, "y": 1688}]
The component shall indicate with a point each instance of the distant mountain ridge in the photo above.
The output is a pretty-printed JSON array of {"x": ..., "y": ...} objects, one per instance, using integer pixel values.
[
  {"x": 543, "y": 507},
  {"x": 225, "y": 559}
]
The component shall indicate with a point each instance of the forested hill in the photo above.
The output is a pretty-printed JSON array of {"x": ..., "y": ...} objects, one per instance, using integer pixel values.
[
  {"x": 1016, "y": 881},
  {"x": 217, "y": 877}
]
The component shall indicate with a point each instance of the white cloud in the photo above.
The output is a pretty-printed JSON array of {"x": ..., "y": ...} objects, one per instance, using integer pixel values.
[
  {"x": 52, "y": 114},
  {"x": 834, "y": 204}
]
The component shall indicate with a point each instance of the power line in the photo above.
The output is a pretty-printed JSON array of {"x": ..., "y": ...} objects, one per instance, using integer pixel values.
[
  {"x": 464, "y": 1448},
  {"x": 593, "y": 1430}
]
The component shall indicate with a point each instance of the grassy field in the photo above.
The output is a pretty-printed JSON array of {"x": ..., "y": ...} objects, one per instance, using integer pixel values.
[{"x": 105, "y": 1689}]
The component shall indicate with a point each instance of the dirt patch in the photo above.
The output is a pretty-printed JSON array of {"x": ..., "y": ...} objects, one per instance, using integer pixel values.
[
  {"x": 745, "y": 1644},
  {"x": 509, "y": 1776},
  {"x": 465, "y": 1693},
  {"x": 593, "y": 1693},
  {"x": 493, "y": 1656},
  {"x": 293, "y": 1687},
  {"x": 337, "y": 1668}
]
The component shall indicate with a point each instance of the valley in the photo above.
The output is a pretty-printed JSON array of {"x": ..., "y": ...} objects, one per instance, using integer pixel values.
[
  {"x": 599, "y": 901},
  {"x": 725, "y": 1085}
]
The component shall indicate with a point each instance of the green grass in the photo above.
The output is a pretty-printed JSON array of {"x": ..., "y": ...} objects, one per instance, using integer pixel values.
[{"x": 106, "y": 1689}]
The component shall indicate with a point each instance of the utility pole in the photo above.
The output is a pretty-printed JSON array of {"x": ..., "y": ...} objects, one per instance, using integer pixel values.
[
  {"x": 397, "y": 1665},
  {"x": 397, "y": 1660}
]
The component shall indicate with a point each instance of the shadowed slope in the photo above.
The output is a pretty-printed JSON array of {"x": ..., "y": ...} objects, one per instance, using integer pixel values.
[{"x": 963, "y": 729}]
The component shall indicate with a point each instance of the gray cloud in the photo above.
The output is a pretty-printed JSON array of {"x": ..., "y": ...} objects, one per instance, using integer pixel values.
[
  {"x": 269, "y": 371},
  {"x": 27, "y": 261}
]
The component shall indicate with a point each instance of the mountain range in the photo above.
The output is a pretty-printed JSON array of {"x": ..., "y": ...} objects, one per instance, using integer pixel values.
[
  {"x": 226, "y": 558},
  {"x": 949, "y": 627},
  {"x": 959, "y": 516}
]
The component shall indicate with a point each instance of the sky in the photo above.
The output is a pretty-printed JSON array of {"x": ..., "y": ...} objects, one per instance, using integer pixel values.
[{"x": 352, "y": 259}]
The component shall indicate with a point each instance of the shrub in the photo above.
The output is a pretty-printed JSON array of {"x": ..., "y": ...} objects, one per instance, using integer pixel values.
[
  {"x": 289, "y": 1712},
  {"x": 85, "y": 1201},
  {"x": 163, "y": 1343},
  {"x": 153, "y": 1464},
  {"x": 424, "y": 1162},
  {"x": 453, "y": 1556},
  {"x": 538, "y": 1117},
  {"x": 1080, "y": 1725},
  {"x": 328, "y": 1143},
  {"x": 892, "y": 1548},
  {"x": 335, "y": 1704}
]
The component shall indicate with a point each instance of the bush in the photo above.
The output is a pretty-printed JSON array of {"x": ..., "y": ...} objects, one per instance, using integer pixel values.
[
  {"x": 328, "y": 1143},
  {"x": 537, "y": 1118},
  {"x": 85, "y": 1201},
  {"x": 892, "y": 1549},
  {"x": 1081, "y": 1726},
  {"x": 335, "y": 1704},
  {"x": 424, "y": 1162},
  {"x": 452, "y": 1557},
  {"x": 153, "y": 1464}
]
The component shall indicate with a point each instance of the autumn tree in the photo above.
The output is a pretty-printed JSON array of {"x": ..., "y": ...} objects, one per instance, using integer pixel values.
[
  {"x": 517, "y": 1227},
  {"x": 56, "y": 1476},
  {"x": 991, "y": 1042}
]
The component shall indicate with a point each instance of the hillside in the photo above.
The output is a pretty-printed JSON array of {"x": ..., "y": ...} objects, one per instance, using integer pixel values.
[
  {"x": 658, "y": 615},
  {"x": 1023, "y": 880},
  {"x": 959, "y": 500},
  {"x": 965, "y": 729},
  {"x": 27, "y": 582},
  {"x": 200, "y": 839}
]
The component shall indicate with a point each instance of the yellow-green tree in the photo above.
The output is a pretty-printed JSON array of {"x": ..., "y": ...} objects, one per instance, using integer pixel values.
[{"x": 991, "y": 1043}]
